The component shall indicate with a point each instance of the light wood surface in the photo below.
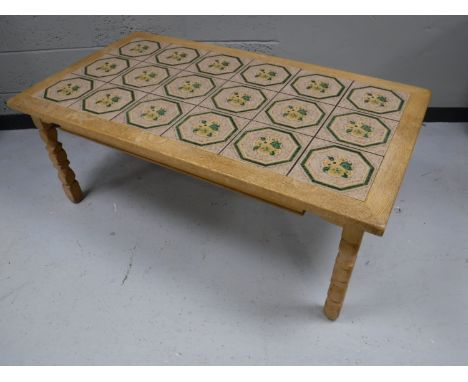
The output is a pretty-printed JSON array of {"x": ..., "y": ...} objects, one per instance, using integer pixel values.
[{"x": 355, "y": 216}]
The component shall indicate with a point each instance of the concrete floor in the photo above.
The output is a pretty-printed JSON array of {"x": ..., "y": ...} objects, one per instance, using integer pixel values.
[{"x": 155, "y": 267}]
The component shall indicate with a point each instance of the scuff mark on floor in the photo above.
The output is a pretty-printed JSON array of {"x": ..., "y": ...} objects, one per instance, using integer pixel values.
[
  {"x": 130, "y": 264},
  {"x": 14, "y": 290}
]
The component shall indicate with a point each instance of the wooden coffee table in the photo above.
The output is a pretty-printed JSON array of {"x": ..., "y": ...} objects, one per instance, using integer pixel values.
[{"x": 297, "y": 135}]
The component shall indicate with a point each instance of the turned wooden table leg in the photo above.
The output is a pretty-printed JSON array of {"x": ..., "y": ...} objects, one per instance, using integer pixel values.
[
  {"x": 351, "y": 238},
  {"x": 58, "y": 156}
]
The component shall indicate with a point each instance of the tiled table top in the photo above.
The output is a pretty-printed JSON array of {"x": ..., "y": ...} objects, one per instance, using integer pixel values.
[
  {"x": 319, "y": 129},
  {"x": 302, "y": 136}
]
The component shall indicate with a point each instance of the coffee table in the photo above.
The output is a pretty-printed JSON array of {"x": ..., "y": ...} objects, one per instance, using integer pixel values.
[{"x": 299, "y": 136}]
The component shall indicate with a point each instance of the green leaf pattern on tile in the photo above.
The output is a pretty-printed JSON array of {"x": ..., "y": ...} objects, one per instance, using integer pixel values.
[
  {"x": 146, "y": 76},
  {"x": 359, "y": 129},
  {"x": 267, "y": 145},
  {"x": 219, "y": 64},
  {"x": 139, "y": 48},
  {"x": 319, "y": 86},
  {"x": 153, "y": 113},
  {"x": 295, "y": 113},
  {"x": 190, "y": 86},
  {"x": 107, "y": 67},
  {"x": 177, "y": 56},
  {"x": 265, "y": 74},
  {"x": 108, "y": 100},
  {"x": 375, "y": 99},
  {"x": 337, "y": 167},
  {"x": 239, "y": 99},
  {"x": 207, "y": 129},
  {"x": 68, "y": 89}
]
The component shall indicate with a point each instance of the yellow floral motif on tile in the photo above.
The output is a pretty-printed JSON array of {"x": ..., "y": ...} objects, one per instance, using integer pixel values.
[
  {"x": 338, "y": 167},
  {"x": 219, "y": 64},
  {"x": 207, "y": 129},
  {"x": 359, "y": 129},
  {"x": 140, "y": 48},
  {"x": 268, "y": 146},
  {"x": 190, "y": 86},
  {"x": 146, "y": 76},
  {"x": 177, "y": 56},
  {"x": 295, "y": 113},
  {"x": 375, "y": 99},
  {"x": 152, "y": 113},
  {"x": 265, "y": 74},
  {"x": 68, "y": 89},
  {"x": 107, "y": 67},
  {"x": 319, "y": 86},
  {"x": 237, "y": 98},
  {"x": 108, "y": 100}
]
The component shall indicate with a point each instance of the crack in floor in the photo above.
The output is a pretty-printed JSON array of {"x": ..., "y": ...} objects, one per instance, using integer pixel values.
[{"x": 130, "y": 264}]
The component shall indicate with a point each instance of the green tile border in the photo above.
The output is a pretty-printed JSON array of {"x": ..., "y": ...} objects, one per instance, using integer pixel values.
[
  {"x": 276, "y": 83},
  {"x": 103, "y": 59},
  {"x": 292, "y": 156},
  {"x": 342, "y": 86},
  {"x": 128, "y": 119},
  {"x": 179, "y": 134},
  {"x": 387, "y": 135},
  {"x": 45, "y": 96},
  {"x": 239, "y": 86},
  {"x": 306, "y": 170},
  {"x": 189, "y": 75},
  {"x": 141, "y": 55},
  {"x": 291, "y": 127},
  {"x": 142, "y": 67},
  {"x": 83, "y": 102},
  {"x": 178, "y": 47},
  {"x": 348, "y": 97},
  {"x": 219, "y": 55}
]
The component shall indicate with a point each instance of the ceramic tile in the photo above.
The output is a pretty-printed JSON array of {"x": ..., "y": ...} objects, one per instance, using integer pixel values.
[
  {"x": 69, "y": 89},
  {"x": 177, "y": 56},
  {"x": 266, "y": 146},
  {"x": 207, "y": 129},
  {"x": 241, "y": 100},
  {"x": 108, "y": 101},
  {"x": 359, "y": 130},
  {"x": 298, "y": 114},
  {"x": 139, "y": 49},
  {"x": 154, "y": 114},
  {"x": 145, "y": 77},
  {"x": 106, "y": 68},
  {"x": 339, "y": 168},
  {"x": 268, "y": 76},
  {"x": 189, "y": 87},
  {"x": 317, "y": 87},
  {"x": 219, "y": 65},
  {"x": 370, "y": 99}
]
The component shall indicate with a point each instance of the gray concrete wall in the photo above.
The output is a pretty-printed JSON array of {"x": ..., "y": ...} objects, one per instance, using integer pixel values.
[{"x": 429, "y": 51}]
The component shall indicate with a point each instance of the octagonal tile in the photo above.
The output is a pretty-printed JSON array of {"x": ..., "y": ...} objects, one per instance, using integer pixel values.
[
  {"x": 177, "y": 56},
  {"x": 337, "y": 168},
  {"x": 218, "y": 65},
  {"x": 144, "y": 77},
  {"x": 266, "y": 146},
  {"x": 206, "y": 128},
  {"x": 106, "y": 68},
  {"x": 68, "y": 90},
  {"x": 270, "y": 76},
  {"x": 375, "y": 100},
  {"x": 359, "y": 130},
  {"x": 317, "y": 86},
  {"x": 139, "y": 49},
  {"x": 155, "y": 113},
  {"x": 107, "y": 101}
]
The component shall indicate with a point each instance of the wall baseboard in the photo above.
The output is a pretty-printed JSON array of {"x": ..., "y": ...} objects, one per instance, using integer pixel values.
[{"x": 433, "y": 114}]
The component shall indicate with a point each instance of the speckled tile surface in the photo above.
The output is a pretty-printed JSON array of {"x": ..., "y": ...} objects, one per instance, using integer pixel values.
[{"x": 327, "y": 131}]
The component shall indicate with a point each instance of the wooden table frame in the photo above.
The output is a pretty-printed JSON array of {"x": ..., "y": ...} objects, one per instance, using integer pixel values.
[{"x": 355, "y": 216}]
